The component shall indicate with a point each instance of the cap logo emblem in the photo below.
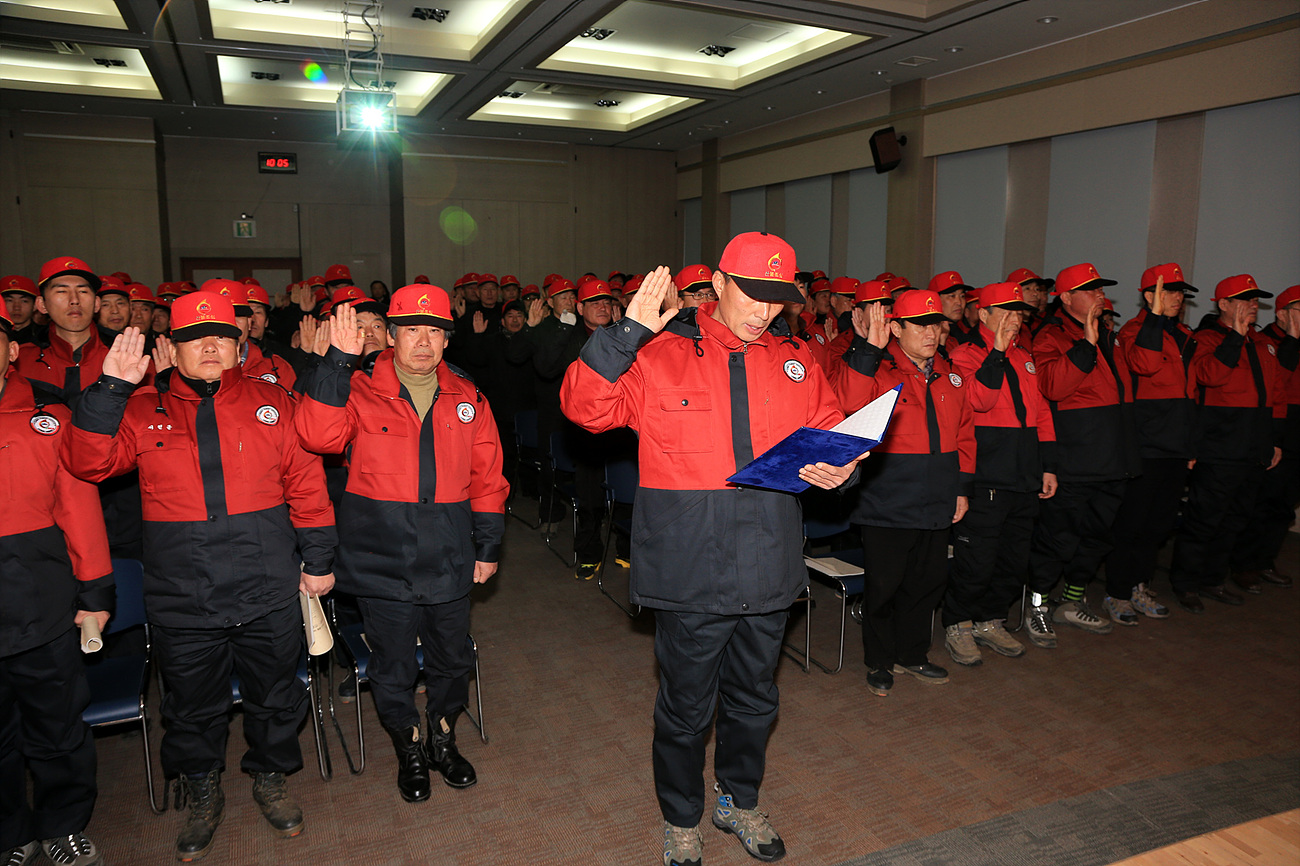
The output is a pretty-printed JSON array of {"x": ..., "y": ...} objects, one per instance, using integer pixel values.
[
  {"x": 203, "y": 307},
  {"x": 929, "y": 305},
  {"x": 795, "y": 370},
  {"x": 424, "y": 300},
  {"x": 1030, "y": 368},
  {"x": 955, "y": 380},
  {"x": 268, "y": 415},
  {"x": 45, "y": 424},
  {"x": 465, "y": 412},
  {"x": 70, "y": 263},
  {"x": 774, "y": 265}
]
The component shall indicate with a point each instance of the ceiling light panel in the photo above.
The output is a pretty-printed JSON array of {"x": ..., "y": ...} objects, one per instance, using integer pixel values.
[
  {"x": 87, "y": 13},
  {"x": 315, "y": 86},
  {"x": 97, "y": 70},
  {"x": 666, "y": 42},
  {"x": 465, "y": 28},
  {"x": 579, "y": 106}
]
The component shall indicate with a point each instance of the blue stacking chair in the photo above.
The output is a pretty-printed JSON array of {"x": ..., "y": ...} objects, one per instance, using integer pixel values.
[
  {"x": 841, "y": 570},
  {"x": 622, "y": 477},
  {"x": 118, "y": 685}
]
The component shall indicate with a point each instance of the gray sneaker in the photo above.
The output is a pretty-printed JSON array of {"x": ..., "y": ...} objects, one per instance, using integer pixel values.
[
  {"x": 23, "y": 855},
  {"x": 72, "y": 850},
  {"x": 751, "y": 827},
  {"x": 1038, "y": 627},
  {"x": 1120, "y": 611},
  {"x": 960, "y": 643},
  {"x": 682, "y": 846},
  {"x": 1144, "y": 602},
  {"x": 1079, "y": 615},
  {"x": 994, "y": 635}
]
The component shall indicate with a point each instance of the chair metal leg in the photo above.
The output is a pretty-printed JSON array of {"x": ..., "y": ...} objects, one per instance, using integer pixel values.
[
  {"x": 148, "y": 762},
  {"x": 358, "y": 766},
  {"x": 477, "y": 721},
  {"x": 1024, "y": 602},
  {"x": 318, "y": 723},
  {"x": 793, "y": 652},
  {"x": 842, "y": 593},
  {"x": 631, "y": 610}
]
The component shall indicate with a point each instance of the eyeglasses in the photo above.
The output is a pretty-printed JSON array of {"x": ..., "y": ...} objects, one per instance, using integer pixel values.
[{"x": 706, "y": 295}]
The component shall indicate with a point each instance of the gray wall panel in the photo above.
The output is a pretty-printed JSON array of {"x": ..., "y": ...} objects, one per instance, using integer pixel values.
[
  {"x": 808, "y": 221},
  {"x": 971, "y": 214},
  {"x": 749, "y": 210},
  {"x": 868, "y": 216}
]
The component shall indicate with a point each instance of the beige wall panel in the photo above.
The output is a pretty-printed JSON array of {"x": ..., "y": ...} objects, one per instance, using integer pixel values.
[
  {"x": 225, "y": 170},
  {"x": 545, "y": 245},
  {"x": 12, "y": 258},
  {"x": 812, "y": 123},
  {"x": 205, "y": 228},
  {"x": 909, "y": 240},
  {"x": 1176, "y": 191},
  {"x": 428, "y": 251},
  {"x": 1029, "y": 172},
  {"x": 495, "y": 246},
  {"x": 1263, "y": 68},
  {"x": 487, "y": 179},
  {"x": 650, "y": 206},
  {"x": 51, "y": 228},
  {"x": 689, "y": 183},
  {"x": 79, "y": 165},
  {"x": 833, "y": 153},
  {"x": 839, "y": 263},
  {"x": 353, "y": 235},
  {"x": 132, "y": 245},
  {"x": 600, "y": 198}
]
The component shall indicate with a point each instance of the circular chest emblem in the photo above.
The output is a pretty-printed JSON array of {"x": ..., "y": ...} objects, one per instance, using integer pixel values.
[
  {"x": 270, "y": 377},
  {"x": 268, "y": 415},
  {"x": 465, "y": 412},
  {"x": 1272, "y": 350},
  {"x": 46, "y": 425},
  {"x": 955, "y": 380},
  {"x": 795, "y": 370},
  {"x": 1030, "y": 368}
]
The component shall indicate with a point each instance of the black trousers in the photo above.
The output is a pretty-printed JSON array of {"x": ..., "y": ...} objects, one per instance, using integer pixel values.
[
  {"x": 588, "y": 482},
  {"x": 197, "y": 664},
  {"x": 1220, "y": 502},
  {"x": 391, "y": 630},
  {"x": 707, "y": 662},
  {"x": 907, "y": 570},
  {"x": 1261, "y": 541},
  {"x": 1146, "y": 519},
  {"x": 990, "y": 555},
  {"x": 43, "y": 693},
  {"x": 1073, "y": 534}
]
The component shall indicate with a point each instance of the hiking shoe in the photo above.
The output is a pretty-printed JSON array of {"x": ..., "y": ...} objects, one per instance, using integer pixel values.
[
  {"x": 751, "y": 827},
  {"x": 207, "y": 806},
  {"x": 587, "y": 570},
  {"x": 72, "y": 850},
  {"x": 879, "y": 681},
  {"x": 960, "y": 644},
  {"x": 994, "y": 635},
  {"x": 1121, "y": 611},
  {"x": 1038, "y": 627},
  {"x": 23, "y": 855},
  {"x": 1144, "y": 602},
  {"x": 1079, "y": 615},
  {"x": 930, "y": 674},
  {"x": 271, "y": 793},
  {"x": 682, "y": 846}
]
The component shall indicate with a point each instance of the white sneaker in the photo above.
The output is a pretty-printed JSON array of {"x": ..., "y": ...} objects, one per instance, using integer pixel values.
[
  {"x": 1079, "y": 615},
  {"x": 1038, "y": 627}
]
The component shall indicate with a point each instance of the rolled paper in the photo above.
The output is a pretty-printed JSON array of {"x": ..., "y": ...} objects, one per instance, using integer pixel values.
[
  {"x": 91, "y": 639},
  {"x": 320, "y": 639}
]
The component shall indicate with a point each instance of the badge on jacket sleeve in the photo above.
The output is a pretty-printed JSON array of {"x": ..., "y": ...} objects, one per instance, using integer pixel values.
[
  {"x": 268, "y": 415},
  {"x": 1030, "y": 368},
  {"x": 45, "y": 424},
  {"x": 1272, "y": 350},
  {"x": 270, "y": 377},
  {"x": 795, "y": 370},
  {"x": 465, "y": 412},
  {"x": 955, "y": 380}
]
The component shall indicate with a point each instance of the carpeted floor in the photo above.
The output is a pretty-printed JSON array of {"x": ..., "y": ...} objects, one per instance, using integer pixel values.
[{"x": 1088, "y": 753}]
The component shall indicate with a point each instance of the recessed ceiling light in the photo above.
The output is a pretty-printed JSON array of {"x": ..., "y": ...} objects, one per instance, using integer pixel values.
[
  {"x": 819, "y": 92},
  {"x": 1048, "y": 19},
  {"x": 769, "y": 108},
  {"x": 716, "y": 50},
  {"x": 606, "y": 103},
  {"x": 597, "y": 33},
  {"x": 109, "y": 61},
  {"x": 954, "y": 49},
  {"x": 428, "y": 13},
  {"x": 266, "y": 76}
]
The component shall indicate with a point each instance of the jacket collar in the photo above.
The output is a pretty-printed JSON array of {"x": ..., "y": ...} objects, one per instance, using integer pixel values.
[
  {"x": 17, "y": 396},
  {"x": 385, "y": 383},
  {"x": 232, "y": 382},
  {"x": 698, "y": 322}
]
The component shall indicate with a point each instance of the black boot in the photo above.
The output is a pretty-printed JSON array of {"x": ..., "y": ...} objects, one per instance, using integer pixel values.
[
  {"x": 271, "y": 793},
  {"x": 412, "y": 771},
  {"x": 207, "y": 806},
  {"x": 440, "y": 748}
]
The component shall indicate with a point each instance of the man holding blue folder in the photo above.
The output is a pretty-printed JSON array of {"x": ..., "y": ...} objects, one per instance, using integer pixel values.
[{"x": 708, "y": 389}]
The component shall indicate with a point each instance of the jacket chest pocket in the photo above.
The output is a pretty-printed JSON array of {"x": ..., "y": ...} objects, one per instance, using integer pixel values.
[
  {"x": 382, "y": 446},
  {"x": 685, "y": 420},
  {"x": 166, "y": 460}
]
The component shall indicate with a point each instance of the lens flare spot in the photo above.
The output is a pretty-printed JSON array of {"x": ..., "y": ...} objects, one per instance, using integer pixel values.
[
  {"x": 312, "y": 72},
  {"x": 457, "y": 224}
]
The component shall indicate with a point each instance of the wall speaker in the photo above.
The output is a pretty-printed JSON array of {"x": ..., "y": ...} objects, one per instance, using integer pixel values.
[{"x": 886, "y": 150}]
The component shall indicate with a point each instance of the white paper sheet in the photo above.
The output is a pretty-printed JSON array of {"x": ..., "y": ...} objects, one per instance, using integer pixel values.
[{"x": 869, "y": 422}]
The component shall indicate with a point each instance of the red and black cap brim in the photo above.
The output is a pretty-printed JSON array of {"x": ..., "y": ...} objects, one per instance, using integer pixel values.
[
  {"x": 1047, "y": 282},
  {"x": 185, "y": 333},
  {"x": 1022, "y": 306},
  {"x": 954, "y": 287},
  {"x": 243, "y": 310},
  {"x": 6, "y": 327},
  {"x": 600, "y": 296},
  {"x": 697, "y": 286},
  {"x": 111, "y": 290},
  {"x": 91, "y": 278},
  {"x": 422, "y": 319},
  {"x": 769, "y": 291},
  {"x": 366, "y": 307},
  {"x": 923, "y": 318},
  {"x": 1248, "y": 294},
  {"x": 888, "y": 301},
  {"x": 1177, "y": 286},
  {"x": 1091, "y": 284}
]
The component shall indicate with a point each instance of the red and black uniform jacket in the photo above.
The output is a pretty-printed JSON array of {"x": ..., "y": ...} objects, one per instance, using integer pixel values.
[
  {"x": 234, "y": 508},
  {"x": 1157, "y": 352},
  {"x": 269, "y": 367},
  {"x": 66, "y": 370},
  {"x": 1086, "y": 387},
  {"x": 913, "y": 478},
  {"x": 1013, "y": 423},
  {"x": 53, "y": 549},
  {"x": 1288, "y": 357},
  {"x": 705, "y": 404},
  {"x": 1239, "y": 385},
  {"x": 423, "y": 501}
]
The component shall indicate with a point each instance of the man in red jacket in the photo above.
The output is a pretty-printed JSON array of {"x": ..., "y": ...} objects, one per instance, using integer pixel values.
[
  {"x": 707, "y": 389},
  {"x": 54, "y": 573},
  {"x": 73, "y": 352},
  {"x": 917, "y": 484},
  {"x": 1156, "y": 348},
  {"x": 1080, "y": 374},
  {"x": 1014, "y": 466},
  {"x": 423, "y": 515},
  {"x": 1239, "y": 386},
  {"x": 237, "y": 522}
]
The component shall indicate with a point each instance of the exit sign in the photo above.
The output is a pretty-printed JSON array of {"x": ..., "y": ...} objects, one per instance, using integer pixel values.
[{"x": 277, "y": 163}]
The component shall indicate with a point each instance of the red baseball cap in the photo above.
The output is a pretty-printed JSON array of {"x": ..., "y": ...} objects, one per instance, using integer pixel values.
[
  {"x": 972, "y": 296},
  {"x": 919, "y": 306},
  {"x": 169, "y": 291},
  {"x": 17, "y": 283},
  {"x": 819, "y": 275},
  {"x": 422, "y": 280},
  {"x": 203, "y": 314},
  {"x": 6, "y": 326},
  {"x": 947, "y": 282},
  {"x": 1009, "y": 295},
  {"x": 844, "y": 286},
  {"x": 763, "y": 266},
  {"x": 315, "y": 281},
  {"x": 124, "y": 277},
  {"x": 1173, "y": 275},
  {"x": 819, "y": 284},
  {"x": 584, "y": 279},
  {"x": 360, "y": 301},
  {"x": 898, "y": 284},
  {"x": 319, "y": 294},
  {"x": 1110, "y": 307},
  {"x": 509, "y": 280},
  {"x": 1024, "y": 275},
  {"x": 421, "y": 304},
  {"x": 530, "y": 291},
  {"x": 257, "y": 294},
  {"x": 871, "y": 292},
  {"x": 550, "y": 278},
  {"x": 1242, "y": 287},
  {"x": 886, "y": 276},
  {"x": 632, "y": 285},
  {"x": 488, "y": 278},
  {"x": 561, "y": 286},
  {"x": 470, "y": 278},
  {"x": 1288, "y": 297},
  {"x": 251, "y": 281},
  {"x": 688, "y": 277},
  {"x": 141, "y": 292},
  {"x": 67, "y": 265},
  {"x": 233, "y": 291},
  {"x": 1081, "y": 276},
  {"x": 111, "y": 285},
  {"x": 593, "y": 290},
  {"x": 337, "y": 272}
]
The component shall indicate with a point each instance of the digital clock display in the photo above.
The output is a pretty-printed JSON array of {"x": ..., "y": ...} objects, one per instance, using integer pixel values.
[{"x": 277, "y": 163}]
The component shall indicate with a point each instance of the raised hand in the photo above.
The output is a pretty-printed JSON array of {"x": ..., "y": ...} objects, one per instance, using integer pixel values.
[
  {"x": 126, "y": 360},
  {"x": 164, "y": 354},
  {"x": 458, "y": 306},
  {"x": 536, "y": 312},
  {"x": 1291, "y": 324},
  {"x": 649, "y": 300},
  {"x": 1158, "y": 297},
  {"x": 306, "y": 299},
  {"x": 344, "y": 333},
  {"x": 322, "y": 344},
  {"x": 1240, "y": 321},
  {"x": 480, "y": 323},
  {"x": 877, "y": 326},
  {"x": 1091, "y": 328},
  {"x": 307, "y": 333},
  {"x": 1007, "y": 330},
  {"x": 832, "y": 329}
]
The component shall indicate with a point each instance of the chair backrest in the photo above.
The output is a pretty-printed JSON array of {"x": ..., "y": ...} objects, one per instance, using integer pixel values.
[
  {"x": 814, "y": 529},
  {"x": 128, "y": 576},
  {"x": 526, "y": 428},
  {"x": 622, "y": 477},
  {"x": 560, "y": 456}
]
